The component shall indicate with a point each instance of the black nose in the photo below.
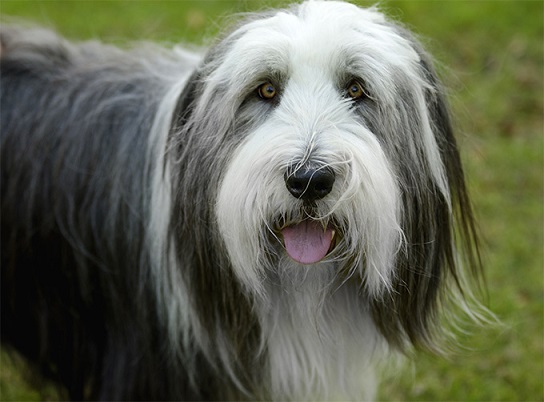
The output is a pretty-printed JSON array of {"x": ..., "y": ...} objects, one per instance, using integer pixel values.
[{"x": 310, "y": 184}]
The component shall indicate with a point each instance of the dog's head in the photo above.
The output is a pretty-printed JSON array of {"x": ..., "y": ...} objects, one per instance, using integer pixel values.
[{"x": 328, "y": 151}]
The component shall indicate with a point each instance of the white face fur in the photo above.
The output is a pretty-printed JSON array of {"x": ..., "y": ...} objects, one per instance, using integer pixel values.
[{"x": 311, "y": 59}]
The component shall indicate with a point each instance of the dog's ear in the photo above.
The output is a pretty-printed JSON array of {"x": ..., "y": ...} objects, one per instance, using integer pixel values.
[
  {"x": 465, "y": 227},
  {"x": 437, "y": 230},
  {"x": 185, "y": 104},
  {"x": 465, "y": 231}
]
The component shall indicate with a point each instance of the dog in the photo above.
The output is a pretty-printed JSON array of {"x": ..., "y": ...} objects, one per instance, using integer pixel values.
[{"x": 270, "y": 219}]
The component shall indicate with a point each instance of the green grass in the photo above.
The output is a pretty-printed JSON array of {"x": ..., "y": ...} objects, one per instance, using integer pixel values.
[{"x": 491, "y": 53}]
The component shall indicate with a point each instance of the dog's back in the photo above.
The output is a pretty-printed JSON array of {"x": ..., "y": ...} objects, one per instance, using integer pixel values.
[{"x": 75, "y": 189}]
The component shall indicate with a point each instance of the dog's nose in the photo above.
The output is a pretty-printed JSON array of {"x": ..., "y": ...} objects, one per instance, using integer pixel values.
[{"x": 310, "y": 184}]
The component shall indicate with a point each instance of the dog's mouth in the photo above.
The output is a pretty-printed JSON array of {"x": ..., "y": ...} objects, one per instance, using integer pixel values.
[{"x": 309, "y": 241}]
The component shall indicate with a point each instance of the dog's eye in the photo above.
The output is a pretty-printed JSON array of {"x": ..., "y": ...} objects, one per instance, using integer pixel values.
[
  {"x": 267, "y": 91},
  {"x": 355, "y": 90}
]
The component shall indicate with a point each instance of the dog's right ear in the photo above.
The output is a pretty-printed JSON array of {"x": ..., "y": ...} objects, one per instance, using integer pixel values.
[{"x": 186, "y": 103}]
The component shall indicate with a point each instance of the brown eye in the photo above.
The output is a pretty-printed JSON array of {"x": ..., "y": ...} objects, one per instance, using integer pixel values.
[
  {"x": 267, "y": 91},
  {"x": 356, "y": 90}
]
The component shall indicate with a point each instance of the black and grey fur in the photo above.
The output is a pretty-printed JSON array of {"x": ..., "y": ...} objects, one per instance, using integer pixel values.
[{"x": 142, "y": 251}]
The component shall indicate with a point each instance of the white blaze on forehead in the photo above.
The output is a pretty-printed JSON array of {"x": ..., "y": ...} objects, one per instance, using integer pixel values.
[{"x": 320, "y": 35}]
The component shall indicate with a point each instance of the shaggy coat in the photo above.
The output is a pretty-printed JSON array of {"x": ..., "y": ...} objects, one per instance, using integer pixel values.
[{"x": 268, "y": 220}]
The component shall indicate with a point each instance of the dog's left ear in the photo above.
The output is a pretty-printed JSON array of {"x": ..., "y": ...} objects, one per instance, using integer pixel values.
[
  {"x": 437, "y": 231},
  {"x": 465, "y": 232}
]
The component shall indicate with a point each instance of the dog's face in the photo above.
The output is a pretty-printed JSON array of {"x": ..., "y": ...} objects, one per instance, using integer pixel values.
[
  {"x": 313, "y": 178},
  {"x": 329, "y": 98},
  {"x": 336, "y": 157}
]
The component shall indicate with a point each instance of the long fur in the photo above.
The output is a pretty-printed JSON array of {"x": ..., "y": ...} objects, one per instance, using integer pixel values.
[{"x": 143, "y": 196}]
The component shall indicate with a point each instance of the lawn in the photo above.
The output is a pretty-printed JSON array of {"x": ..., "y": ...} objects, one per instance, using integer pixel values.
[{"x": 491, "y": 56}]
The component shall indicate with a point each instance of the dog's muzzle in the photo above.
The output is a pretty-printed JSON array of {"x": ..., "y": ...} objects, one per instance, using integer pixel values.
[{"x": 309, "y": 241}]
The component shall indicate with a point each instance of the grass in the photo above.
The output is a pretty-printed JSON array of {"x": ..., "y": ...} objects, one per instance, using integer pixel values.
[{"x": 491, "y": 53}]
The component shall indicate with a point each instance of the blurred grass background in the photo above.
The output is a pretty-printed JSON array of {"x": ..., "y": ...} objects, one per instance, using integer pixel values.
[{"x": 491, "y": 56}]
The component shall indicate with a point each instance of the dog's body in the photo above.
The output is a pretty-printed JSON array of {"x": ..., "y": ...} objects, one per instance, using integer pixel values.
[{"x": 267, "y": 221}]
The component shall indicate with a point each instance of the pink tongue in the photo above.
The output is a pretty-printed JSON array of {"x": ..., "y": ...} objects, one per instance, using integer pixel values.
[{"x": 307, "y": 242}]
